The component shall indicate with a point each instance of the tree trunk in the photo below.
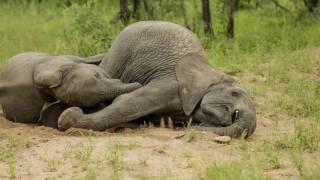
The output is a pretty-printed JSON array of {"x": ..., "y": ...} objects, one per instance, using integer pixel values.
[
  {"x": 237, "y": 5},
  {"x": 184, "y": 15},
  {"x": 206, "y": 16},
  {"x": 148, "y": 9},
  {"x": 230, "y": 24},
  {"x": 124, "y": 12},
  {"x": 258, "y": 2},
  {"x": 135, "y": 11},
  {"x": 311, "y": 5},
  {"x": 275, "y": 2}
]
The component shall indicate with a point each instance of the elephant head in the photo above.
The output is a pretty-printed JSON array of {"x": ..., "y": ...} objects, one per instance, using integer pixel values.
[
  {"x": 77, "y": 82},
  {"x": 214, "y": 99}
]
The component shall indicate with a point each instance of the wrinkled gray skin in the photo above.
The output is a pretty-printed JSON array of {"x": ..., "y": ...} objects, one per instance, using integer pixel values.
[
  {"x": 177, "y": 79},
  {"x": 37, "y": 87}
]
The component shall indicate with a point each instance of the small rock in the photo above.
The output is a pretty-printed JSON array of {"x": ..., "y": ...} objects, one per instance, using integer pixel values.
[
  {"x": 160, "y": 151},
  {"x": 222, "y": 139}
]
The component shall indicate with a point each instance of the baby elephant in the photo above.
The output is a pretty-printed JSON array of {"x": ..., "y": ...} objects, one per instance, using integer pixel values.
[{"x": 37, "y": 87}]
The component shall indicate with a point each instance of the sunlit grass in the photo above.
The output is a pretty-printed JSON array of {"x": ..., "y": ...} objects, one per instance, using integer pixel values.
[
  {"x": 31, "y": 29},
  {"x": 115, "y": 159},
  {"x": 234, "y": 170}
]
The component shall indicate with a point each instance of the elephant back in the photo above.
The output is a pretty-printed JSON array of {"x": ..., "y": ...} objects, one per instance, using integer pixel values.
[{"x": 149, "y": 50}]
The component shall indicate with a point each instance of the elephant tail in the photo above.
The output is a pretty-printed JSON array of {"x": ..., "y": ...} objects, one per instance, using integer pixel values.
[{"x": 97, "y": 58}]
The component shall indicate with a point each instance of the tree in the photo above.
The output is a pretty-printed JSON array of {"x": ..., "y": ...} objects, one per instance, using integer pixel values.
[
  {"x": 184, "y": 15},
  {"x": 124, "y": 12},
  {"x": 148, "y": 8},
  {"x": 275, "y": 2},
  {"x": 311, "y": 5},
  {"x": 206, "y": 16},
  {"x": 135, "y": 11},
  {"x": 230, "y": 23}
]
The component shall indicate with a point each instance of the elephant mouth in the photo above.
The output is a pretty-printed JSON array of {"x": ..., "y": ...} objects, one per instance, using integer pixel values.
[
  {"x": 235, "y": 116},
  {"x": 222, "y": 111}
]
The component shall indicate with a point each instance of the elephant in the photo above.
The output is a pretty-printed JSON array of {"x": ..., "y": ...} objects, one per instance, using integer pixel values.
[
  {"x": 37, "y": 87},
  {"x": 170, "y": 63}
]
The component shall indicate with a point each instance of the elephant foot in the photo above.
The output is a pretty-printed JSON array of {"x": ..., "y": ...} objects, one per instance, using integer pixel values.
[{"x": 67, "y": 118}]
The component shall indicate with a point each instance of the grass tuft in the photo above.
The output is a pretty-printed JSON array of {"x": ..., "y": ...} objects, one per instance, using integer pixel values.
[
  {"x": 234, "y": 170},
  {"x": 114, "y": 157}
]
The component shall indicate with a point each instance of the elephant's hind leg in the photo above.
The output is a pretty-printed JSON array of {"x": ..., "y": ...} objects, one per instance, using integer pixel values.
[{"x": 155, "y": 97}]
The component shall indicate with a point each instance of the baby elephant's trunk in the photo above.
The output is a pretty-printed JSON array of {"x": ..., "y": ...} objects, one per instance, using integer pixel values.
[
  {"x": 119, "y": 88},
  {"x": 244, "y": 126}
]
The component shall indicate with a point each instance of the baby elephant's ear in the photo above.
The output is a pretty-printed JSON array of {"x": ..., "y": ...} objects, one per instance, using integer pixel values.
[
  {"x": 50, "y": 74},
  {"x": 96, "y": 60},
  {"x": 195, "y": 76}
]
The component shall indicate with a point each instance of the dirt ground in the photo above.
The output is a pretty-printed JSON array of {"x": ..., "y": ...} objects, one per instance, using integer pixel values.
[{"x": 138, "y": 154}]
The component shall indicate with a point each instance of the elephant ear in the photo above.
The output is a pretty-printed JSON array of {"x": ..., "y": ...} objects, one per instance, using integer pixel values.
[
  {"x": 50, "y": 113},
  {"x": 50, "y": 74},
  {"x": 96, "y": 60},
  {"x": 195, "y": 76}
]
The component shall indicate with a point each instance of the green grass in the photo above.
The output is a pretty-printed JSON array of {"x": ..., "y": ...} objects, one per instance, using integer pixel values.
[
  {"x": 52, "y": 165},
  {"x": 27, "y": 29},
  {"x": 12, "y": 168},
  {"x": 9, "y": 148},
  {"x": 233, "y": 170},
  {"x": 83, "y": 152},
  {"x": 115, "y": 159},
  {"x": 272, "y": 155},
  {"x": 90, "y": 174},
  {"x": 191, "y": 135}
]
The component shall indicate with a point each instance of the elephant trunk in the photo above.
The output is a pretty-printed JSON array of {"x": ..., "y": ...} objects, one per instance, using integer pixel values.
[
  {"x": 96, "y": 59},
  {"x": 118, "y": 88},
  {"x": 244, "y": 126}
]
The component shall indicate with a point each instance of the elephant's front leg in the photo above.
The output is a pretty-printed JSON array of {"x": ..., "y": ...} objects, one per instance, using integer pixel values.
[{"x": 155, "y": 97}]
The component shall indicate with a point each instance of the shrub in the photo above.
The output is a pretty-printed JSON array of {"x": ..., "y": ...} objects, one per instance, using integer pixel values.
[{"x": 88, "y": 33}]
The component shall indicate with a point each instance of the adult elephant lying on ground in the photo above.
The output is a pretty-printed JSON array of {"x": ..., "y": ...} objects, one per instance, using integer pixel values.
[
  {"x": 170, "y": 63},
  {"x": 37, "y": 87}
]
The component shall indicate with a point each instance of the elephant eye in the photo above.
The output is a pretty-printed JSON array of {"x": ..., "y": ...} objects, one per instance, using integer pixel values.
[
  {"x": 235, "y": 93},
  {"x": 97, "y": 75}
]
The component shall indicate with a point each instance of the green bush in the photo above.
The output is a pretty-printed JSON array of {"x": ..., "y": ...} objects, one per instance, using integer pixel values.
[{"x": 88, "y": 33}]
